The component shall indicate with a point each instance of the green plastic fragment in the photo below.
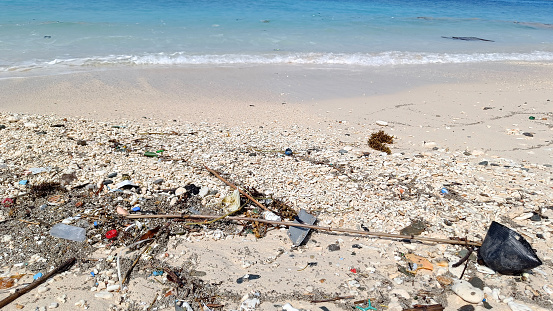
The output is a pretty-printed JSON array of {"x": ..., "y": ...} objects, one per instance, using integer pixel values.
[
  {"x": 532, "y": 118},
  {"x": 150, "y": 154}
]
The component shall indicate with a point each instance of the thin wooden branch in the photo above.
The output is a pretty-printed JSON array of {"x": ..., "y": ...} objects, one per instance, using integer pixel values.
[
  {"x": 235, "y": 187},
  {"x": 291, "y": 224},
  {"x": 64, "y": 266}
]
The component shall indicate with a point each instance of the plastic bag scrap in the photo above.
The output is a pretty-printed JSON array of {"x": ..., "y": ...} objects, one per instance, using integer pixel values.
[{"x": 506, "y": 251}]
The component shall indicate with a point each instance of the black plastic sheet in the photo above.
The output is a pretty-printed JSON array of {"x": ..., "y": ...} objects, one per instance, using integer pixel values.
[{"x": 507, "y": 252}]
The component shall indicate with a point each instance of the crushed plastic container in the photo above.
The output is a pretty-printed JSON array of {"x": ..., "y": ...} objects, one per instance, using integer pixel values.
[{"x": 68, "y": 232}]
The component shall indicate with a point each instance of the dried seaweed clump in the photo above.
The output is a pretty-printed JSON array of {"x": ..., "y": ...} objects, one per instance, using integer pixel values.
[
  {"x": 44, "y": 189},
  {"x": 378, "y": 140}
]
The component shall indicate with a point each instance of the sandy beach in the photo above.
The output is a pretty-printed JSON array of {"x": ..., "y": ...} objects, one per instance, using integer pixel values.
[{"x": 472, "y": 144}]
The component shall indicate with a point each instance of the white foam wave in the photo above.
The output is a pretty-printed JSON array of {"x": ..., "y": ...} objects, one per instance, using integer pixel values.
[{"x": 392, "y": 58}]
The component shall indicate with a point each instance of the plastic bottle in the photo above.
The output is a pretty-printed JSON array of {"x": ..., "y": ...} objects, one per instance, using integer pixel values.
[{"x": 68, "y": 232}]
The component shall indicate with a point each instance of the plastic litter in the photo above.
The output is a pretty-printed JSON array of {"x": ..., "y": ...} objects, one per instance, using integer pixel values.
[
  {"x": 68, "y": 232},
  {"x": 111, "y": 234},
  {"x": 288, "y": 152},
  {"x": 37, "y": 276},
  {"x": 157, "y": 273},
  {"x": 231, "y": 203},
  {"x": 507, "y": 252},
  {"x": 532, "y": 118},
  {"x": 23, "y": 182},
  {"x": 444, "y": 191},
  {"x": 38, "y": 170},
  {"x": 182, "y": 306},
  {"x": 296, "y": 234},
  {"x": 135, "y": 209},
  {"x": 247, "y": 277},
  {"x": 368, "y": 307},
  {"x": 125, "y": 184}
]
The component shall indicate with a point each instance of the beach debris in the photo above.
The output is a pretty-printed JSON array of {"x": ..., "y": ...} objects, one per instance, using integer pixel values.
[
  {"x": 381, "y": 123},
  {"x": 7, "y": 282},
  {"x": 250, "y": 301},
  {"x": 378, "y": 141},
  {"x": 507, "y": 252},
  {"x": 61, "y": 268},
  {"x": 121, "y": 211},
  {"x": 56, "y": 200},
  {"x": 68, "y": 232},
  {"x": 532, "y": 118},
  {"x": 125, "y": 184},
  {"x": 468, "y": 39},
  {"x": 247, "y": 277},
  {"x": 418, "y": 307},
  {"x": 467, "y": 292},
  {"x": 415, "y": 228},
  {"x": 38, "y": 170},
  {"x": 419, "y": 262},
  {"x": 333, "y": 247},
  {"x": 288, "y": 152},
  {"x": 181, "y": 305},
  {"x": 298, "y": 234},
  {"x": 231, "y": 203},
  {"x": 288, "y": 307},
  {"x": 368, "y": 307},
  {"x": 111, "y": 234}
]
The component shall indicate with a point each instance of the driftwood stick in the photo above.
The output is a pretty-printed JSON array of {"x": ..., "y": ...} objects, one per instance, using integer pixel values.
[
  {"x": 291, "y": 224},
  {"x": 235, "y": 187},
  {"x": 64, "y": 266}
]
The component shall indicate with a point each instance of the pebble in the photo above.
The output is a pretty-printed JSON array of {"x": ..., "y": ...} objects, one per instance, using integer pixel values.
[
  {"x": 467, "y": 292},
  {"x": 53, "y": 305},
  {"x": 42, "y": 289},
  {"x": 180, "y": 191},
  {"x": 203, "y": 191}
]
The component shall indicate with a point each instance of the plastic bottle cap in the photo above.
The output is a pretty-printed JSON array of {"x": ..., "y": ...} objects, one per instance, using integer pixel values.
[{"x": 111, "y": 234}]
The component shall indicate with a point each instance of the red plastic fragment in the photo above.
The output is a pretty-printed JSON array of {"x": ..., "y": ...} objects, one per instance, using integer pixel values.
[
  {"x": 353, "y": 270},
  {"x": 111, "y": 234}
]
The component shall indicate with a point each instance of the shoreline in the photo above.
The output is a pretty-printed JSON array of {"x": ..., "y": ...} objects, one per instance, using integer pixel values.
[{"x": 469, "y": 107}]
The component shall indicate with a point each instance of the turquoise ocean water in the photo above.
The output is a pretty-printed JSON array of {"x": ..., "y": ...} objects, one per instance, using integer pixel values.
[{"x": 38, "y": 36}]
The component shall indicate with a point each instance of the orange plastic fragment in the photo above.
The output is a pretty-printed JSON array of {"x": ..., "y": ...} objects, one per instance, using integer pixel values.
[
  {"x": 422, "y": 263},
  {"x": 7, "y": 282}
]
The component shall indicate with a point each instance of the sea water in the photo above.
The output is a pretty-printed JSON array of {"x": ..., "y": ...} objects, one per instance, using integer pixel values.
[{"x": 60, "y": 35}]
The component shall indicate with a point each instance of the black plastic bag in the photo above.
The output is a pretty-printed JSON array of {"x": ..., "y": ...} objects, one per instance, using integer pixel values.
[{"x": 506, "y": 251}]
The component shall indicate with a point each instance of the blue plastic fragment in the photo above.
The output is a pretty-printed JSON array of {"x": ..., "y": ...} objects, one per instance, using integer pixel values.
[
  {"x": 23, "y": 182},
  {"x": 288, "y": 152},
  {"x": 157, "y": 273},
  {"x": 95, "y": 224},
  {"x": 136, "y": 208},
  {"x": 92, "y": 273},
  {"x": 444, "y": 191},
  {"x": 37, "y": 276}
]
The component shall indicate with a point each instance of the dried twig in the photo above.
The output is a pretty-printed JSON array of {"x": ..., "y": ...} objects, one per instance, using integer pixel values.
[
  {"x": 332, "y": 299},
  {"x": 292, "y": 224},
  {"x": 64, "y": 266}
]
